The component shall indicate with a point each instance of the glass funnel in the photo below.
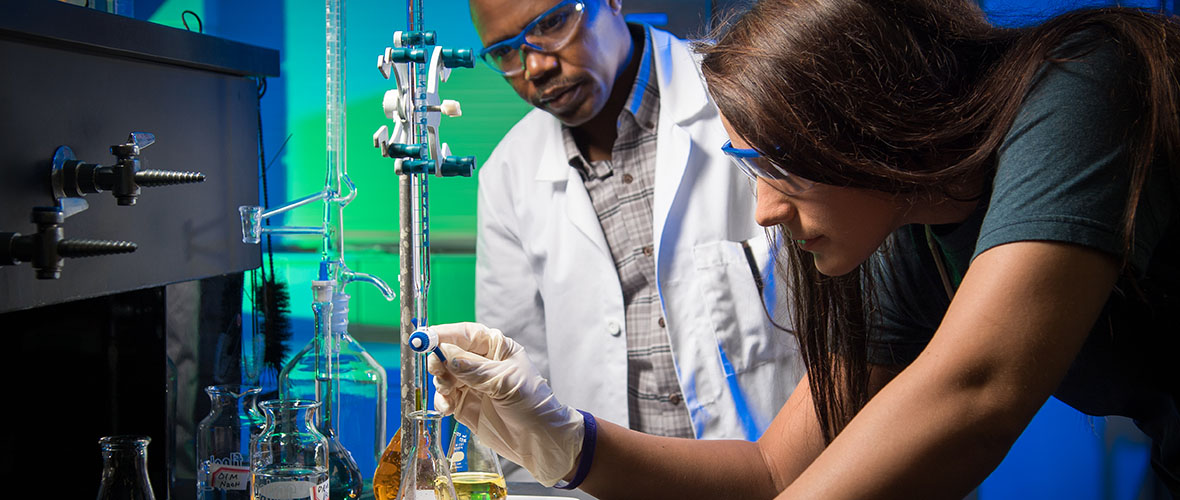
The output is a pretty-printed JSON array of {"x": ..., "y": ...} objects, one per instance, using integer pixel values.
[
  {"x": 289, "y": 459},
  {"x": 426, "y": 475},
  {"x": 475, "y": 468},
  {"x": 223, "y": 442},
  {"x": 124, "y": 468}
]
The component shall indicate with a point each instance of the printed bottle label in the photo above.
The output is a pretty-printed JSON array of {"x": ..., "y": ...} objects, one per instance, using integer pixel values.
[{"x": 293, "y": 490}]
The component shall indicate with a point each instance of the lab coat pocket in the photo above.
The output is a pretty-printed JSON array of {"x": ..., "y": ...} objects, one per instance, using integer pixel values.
[{"x": 760, "y": 362}]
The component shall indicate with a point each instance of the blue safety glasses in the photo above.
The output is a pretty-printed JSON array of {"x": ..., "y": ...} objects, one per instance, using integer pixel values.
[
  {"x": 549, "y": 32},
  {"x": 753, "y": 164}
]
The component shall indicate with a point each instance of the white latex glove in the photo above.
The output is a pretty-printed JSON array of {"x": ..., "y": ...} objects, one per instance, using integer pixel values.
[{"x": 491, "y": 387}]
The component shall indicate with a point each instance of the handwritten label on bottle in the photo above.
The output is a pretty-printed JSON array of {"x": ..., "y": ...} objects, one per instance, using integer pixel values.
[
  {"x": 226, "y": 473},
  {"x": 225, "y": 477}
]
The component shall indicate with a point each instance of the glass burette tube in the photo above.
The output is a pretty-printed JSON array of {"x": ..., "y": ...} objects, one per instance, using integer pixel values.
[{"x": 414, "y": 241}]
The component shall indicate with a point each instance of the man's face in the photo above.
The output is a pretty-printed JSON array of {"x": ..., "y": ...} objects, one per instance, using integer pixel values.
[{"x": 574, "y": 82}]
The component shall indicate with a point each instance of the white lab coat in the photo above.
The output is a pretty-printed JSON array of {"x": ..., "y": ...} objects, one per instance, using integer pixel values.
[{"x": 545, "y": 276}]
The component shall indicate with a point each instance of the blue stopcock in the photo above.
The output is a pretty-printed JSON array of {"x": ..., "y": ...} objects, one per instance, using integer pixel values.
[{"x": 425, "y": 341}]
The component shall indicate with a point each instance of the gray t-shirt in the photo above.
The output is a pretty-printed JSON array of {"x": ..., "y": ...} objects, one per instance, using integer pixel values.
[{"x": 1062, "y": 176}]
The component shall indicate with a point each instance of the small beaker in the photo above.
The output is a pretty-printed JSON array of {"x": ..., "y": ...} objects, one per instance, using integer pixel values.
[
  {"x": 223, "y": 442},
  {"x": 124, "y": 468},
  {"x": 427, "y": 475},
  {"x": 475, "y": 468},
  {"x": 289, "y": 459}
]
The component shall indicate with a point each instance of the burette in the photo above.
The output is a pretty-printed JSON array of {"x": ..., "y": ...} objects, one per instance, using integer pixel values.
[{"x": 418, "y": 64}]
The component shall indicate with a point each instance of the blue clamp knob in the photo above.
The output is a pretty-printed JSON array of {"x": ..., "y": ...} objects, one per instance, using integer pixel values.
[
  {"x": 411, "y": 38},
  {"x": 453, "y": 166},
  {"x": 425, "y": 341},
  {"x": 417, "y": 167},
  {"x": 458, "y": 58},
  {"x": 397, "y": 150},
  {"x": 409, "y": 55}
]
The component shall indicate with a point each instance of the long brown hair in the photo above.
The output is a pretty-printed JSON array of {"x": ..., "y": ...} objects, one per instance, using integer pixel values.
[{"x": 911, "y": 97}]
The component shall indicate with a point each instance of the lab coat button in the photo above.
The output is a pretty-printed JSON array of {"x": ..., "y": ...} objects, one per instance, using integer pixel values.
[{"x": 614, "y": 329}]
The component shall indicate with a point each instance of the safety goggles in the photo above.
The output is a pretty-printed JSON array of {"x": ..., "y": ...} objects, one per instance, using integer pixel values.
[
  {"x": 549, "y": 32},
  {"x": 753, "y": 164}
]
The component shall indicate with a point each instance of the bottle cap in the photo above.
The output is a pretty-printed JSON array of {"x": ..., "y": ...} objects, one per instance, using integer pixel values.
[{"x": 321, "y": 291}]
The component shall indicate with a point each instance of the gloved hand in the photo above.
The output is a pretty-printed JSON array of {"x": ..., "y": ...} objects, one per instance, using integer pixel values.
[{"x": 491, "y": 387}]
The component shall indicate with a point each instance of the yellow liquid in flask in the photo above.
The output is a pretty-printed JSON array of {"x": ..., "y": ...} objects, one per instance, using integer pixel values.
[{"x": 479, "y": 486}]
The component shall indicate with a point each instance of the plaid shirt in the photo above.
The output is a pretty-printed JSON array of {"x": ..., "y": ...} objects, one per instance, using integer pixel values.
[{"x": 621, "y": 191}]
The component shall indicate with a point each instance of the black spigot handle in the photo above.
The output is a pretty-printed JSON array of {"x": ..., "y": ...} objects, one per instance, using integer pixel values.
[{"x": 48, "y": 248}]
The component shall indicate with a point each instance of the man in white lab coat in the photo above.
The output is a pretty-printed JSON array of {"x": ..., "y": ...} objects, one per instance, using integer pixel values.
[{"x": 616, "y": 242}]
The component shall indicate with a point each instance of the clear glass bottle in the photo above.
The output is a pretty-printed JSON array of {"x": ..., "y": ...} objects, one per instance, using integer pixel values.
[
  {"x": 289, "y": 459},
  {"x": 124, "y": 468},
  {"x": 427, "y": 475},
  {"x": 223, "y": 442},
  {"x": 475, "y": 468},
  {"x": 349, "y": 389},
  {"x": 359, "y": 418}
]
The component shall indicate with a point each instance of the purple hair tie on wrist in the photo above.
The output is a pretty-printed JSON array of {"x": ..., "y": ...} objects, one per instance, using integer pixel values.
[{"x": 589, "y": 440}]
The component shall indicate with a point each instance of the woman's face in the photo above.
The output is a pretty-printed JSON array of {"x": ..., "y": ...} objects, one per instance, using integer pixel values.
[{"x": 840, "y": 226}]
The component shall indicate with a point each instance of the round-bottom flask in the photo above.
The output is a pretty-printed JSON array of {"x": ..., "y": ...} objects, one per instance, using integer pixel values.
[
  {"x": 427, "y": 475},
  {"x": 289, "y": 459}
]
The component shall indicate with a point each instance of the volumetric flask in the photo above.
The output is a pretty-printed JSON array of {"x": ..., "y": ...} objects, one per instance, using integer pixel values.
[
  {"x": 223, "y": 442},
  {"x": 475, "y": 468},
  {"x": 124, "y": 468},
  {"x": 289, "y": 459},
  {"x": 427, "y": 475}
]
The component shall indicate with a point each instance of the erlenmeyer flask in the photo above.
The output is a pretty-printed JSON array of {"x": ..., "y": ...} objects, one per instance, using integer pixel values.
[
  {"x": 223, "y": 442},
  {"x": 475, "y": 468},
  {"x": 316, "y": 373},
  {"x": 289, "y": 459},
  {"x": 124, "y": 468},
  {"x": 426, "y": 475}
]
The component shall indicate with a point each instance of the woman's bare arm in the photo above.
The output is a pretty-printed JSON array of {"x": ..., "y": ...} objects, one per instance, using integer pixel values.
[
  {"x": 1016, "y": 323},
  {"x": 629, "y": 464}
]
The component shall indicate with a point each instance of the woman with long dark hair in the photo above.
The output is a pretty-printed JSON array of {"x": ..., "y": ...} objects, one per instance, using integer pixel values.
[{"x": 974, "y": 219}]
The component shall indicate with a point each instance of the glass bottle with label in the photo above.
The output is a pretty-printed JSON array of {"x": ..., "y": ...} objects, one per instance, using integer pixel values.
[
  {"x": 124, "y": 468},
  {"x": 289, "y": 459},
  {"x": 223, "y": 442}
]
